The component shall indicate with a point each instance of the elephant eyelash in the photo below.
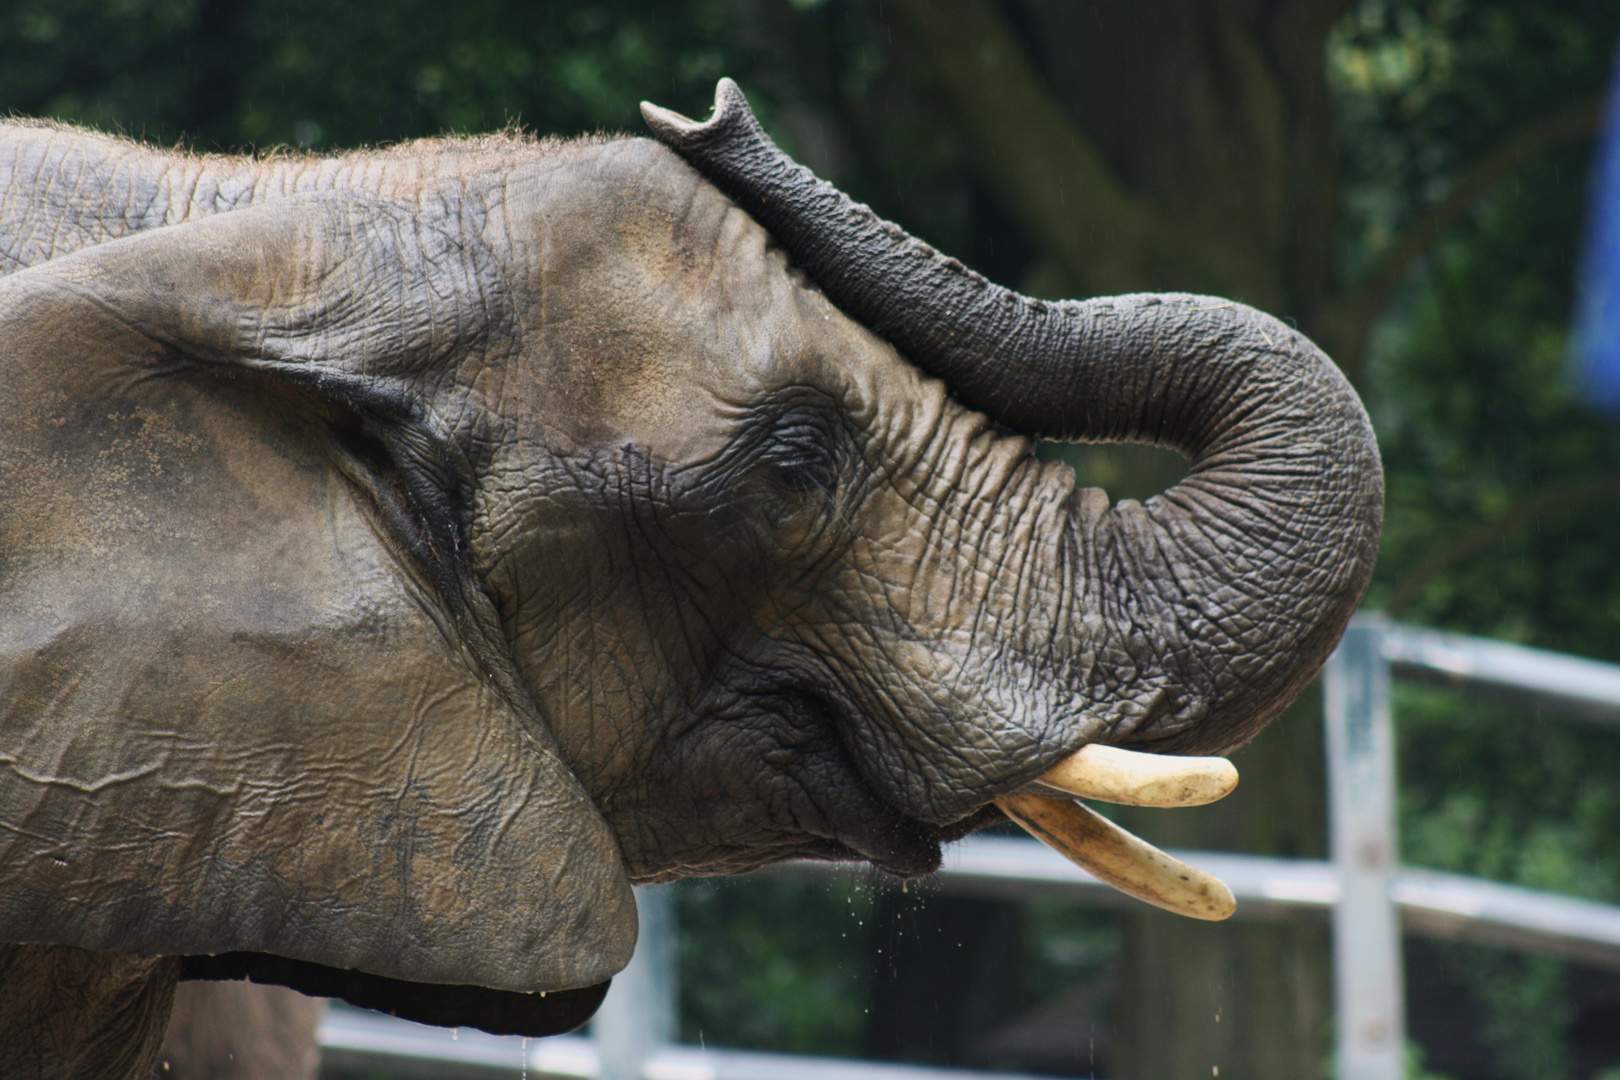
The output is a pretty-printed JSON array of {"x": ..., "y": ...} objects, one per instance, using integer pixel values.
[{"x": 807, "y": 475}]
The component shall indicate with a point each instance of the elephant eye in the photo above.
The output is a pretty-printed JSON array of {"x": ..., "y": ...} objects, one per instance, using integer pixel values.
[{"x": 802, "y": 463}]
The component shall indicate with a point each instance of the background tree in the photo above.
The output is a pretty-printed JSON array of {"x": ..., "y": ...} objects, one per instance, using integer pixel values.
[{"x": 1403, "y": 178}]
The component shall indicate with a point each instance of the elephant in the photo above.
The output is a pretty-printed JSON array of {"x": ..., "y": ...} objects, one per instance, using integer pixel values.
[{"x": 403, "y": 553}]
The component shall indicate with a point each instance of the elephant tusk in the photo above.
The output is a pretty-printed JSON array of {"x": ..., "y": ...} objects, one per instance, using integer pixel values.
[
  {"x": 1115, "y": 857},
  {"x": 1109, "y": 774}
]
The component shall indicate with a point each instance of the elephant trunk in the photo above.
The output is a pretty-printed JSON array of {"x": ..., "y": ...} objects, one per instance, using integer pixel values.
[
  {"x": 1220, "y": 598},
  {"x": 1225, "y": 594}
]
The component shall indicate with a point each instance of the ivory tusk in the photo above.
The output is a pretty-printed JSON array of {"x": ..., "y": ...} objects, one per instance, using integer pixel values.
[
  {"x": 1109, "y": 774},
  {"x": 1112, "y": 855}
]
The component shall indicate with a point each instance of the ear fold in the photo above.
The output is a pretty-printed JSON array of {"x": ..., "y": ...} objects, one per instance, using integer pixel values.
[{"x": 249, "y": 700}]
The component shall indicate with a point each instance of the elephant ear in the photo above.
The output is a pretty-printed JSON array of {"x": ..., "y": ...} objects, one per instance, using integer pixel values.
[{"x": 251, "y": 701}]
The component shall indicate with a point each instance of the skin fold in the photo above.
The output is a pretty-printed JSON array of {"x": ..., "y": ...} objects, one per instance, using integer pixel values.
[{"x": 402, "y": 553}]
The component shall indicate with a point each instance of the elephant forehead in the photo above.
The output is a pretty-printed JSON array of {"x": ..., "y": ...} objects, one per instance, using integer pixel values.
[{"x": 652, "y": 311}]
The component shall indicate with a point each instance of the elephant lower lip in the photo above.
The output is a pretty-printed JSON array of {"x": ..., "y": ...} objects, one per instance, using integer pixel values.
[
  {"x": 873, "y": 831},
  {"x": 917, "y": 855},
  {"x": 499, "y": 1012}
]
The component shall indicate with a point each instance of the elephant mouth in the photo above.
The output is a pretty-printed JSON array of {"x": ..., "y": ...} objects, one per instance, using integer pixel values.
[
  {"x": 499, "y": 1012},
  {"x": 1051, "y": 810},
  {"x": 864, "y": 823}
]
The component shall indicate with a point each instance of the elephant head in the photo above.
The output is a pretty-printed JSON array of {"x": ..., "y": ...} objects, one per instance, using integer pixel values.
[{"x": 401, "y": 560}]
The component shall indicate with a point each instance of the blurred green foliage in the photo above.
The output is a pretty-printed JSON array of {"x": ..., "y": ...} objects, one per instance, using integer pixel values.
[
  {"x": 775, "y": 962},
  {"x": 781, "y": 962},
  {"x": 229, "y": 74},
  {"x": 1508, "y": 792},
  {"x": 1502, "y": 488}
]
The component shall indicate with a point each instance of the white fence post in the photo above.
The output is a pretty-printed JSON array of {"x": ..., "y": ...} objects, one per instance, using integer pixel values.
[
  {"x": 1368, "y": 984},
  {"x": 639, "y": 1014}
]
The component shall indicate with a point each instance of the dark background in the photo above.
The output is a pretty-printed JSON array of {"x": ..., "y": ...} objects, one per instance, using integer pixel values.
[{"x": 1403, "y": 179}]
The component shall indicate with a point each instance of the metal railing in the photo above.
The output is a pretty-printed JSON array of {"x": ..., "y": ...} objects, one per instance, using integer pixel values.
[{"x": 1370, "y": 897}]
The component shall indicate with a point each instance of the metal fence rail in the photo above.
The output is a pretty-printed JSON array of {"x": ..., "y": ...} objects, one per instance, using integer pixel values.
[
  {"x": 1368, "y": 895},
  {"x": 1587, "y": 689},
  {"x": 1430, "y": 903},
  {"x": 352, "y": 1037}
]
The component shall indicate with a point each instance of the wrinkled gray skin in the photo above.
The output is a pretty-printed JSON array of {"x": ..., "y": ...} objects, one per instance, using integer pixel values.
[{"x": 402, "y": 553}]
